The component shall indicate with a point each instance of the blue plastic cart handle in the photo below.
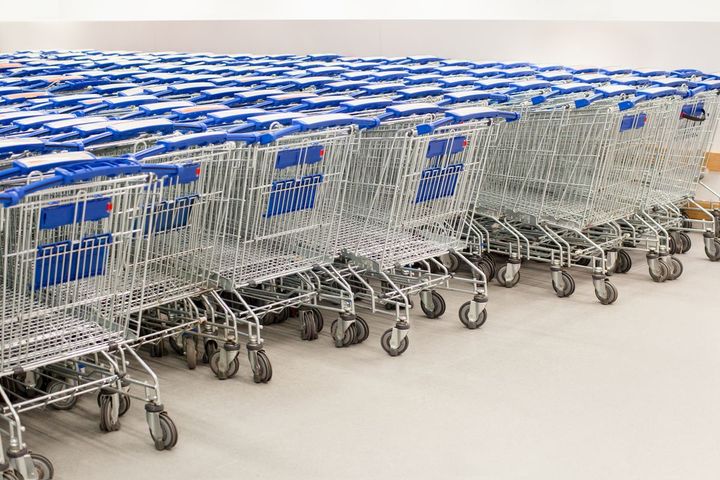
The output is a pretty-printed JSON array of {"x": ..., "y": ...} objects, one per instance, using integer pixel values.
[
  {"x": 380, "y": 88},
  {"x": 407, "y": 109},
  {"x": 648, "y": 94},
  {"x": 423, "y": 79},
  {"x": 472, "y": 96},
  {"x": 182, "y": 142},
  {"x": 364, "y": 104},
  {"x": 466, "y": 114},
  {"x": 694, "y": 91},
  {"x": 60, "y": 126},
  {"x": 13, "y": 146},
  {"x": 321, "y": 101},
  {"x": 317, "y": 122},
  {"x": 607, "y": 91},
  {"x": 233, "y": 115},
  {"x": 128, "y": 129},
  {"x": 417, "y": 92},
  {"x": 88, "y": 167}
]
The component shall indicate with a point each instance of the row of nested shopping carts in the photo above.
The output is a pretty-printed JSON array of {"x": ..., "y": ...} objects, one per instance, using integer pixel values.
[{"x": 190, "y": 201}]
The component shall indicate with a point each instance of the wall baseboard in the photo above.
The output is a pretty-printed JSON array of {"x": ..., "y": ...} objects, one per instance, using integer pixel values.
[{"x": 712, "y": 159}]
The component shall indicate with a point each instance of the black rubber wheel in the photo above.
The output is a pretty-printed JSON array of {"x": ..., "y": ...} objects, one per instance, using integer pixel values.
[
  {"x": 169, "y": 433},
  {"x": 662, "y": 272},
  {"x": 674, "y": 246},
  {"x": 675, "y": 268},
  {"x": 500, "y": 276},
  {"x": 268, "y": 319},
  {"x": 686, "y": 242},
  {"x": 624, "y": 262},
  {"x": 391, "y": 305},
  {"x": 464, "y": 314},
  {"x": 487, "y": 265},
  {"x": 124, "y": 406},
  {"x": 583, "y": 261},
  {"x": 264, "y": 368},
  {"x": 231, "y": 370},
  {"x": 308, "y": 326},
  {"x": 43, "y": 466},
  {"x": 157, "y": 349},
  {"x": 362, "y": 329},
  {"x": 191, "y": 356},
  {"x": 210, "y": 347},
  {"x": 714, "y": 256},
  {"x": 65, "y": 404},
  {"x": 393, "y": 352},
  {"x": 348, "y": 337},
  {"x": 178, "y": 347},
  {"x": 106, "y": 421},
  {"x": 611, "y": 296},
  {"x": 282, "y": 315},
  {"x": 319, "y": 320},
  {"x": 453, "y": 262},
  {"x": 438, "y": 305},
  {"x": 568, "y": 285}
]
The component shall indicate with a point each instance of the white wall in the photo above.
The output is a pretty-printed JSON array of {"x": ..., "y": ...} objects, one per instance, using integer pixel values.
[
  {"x": 665, "y": 44},
  {"x": 139, "y": 10}
]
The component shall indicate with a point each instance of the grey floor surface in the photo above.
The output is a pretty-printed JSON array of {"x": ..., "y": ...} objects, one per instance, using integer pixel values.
[{"x": 549, "y": 388}]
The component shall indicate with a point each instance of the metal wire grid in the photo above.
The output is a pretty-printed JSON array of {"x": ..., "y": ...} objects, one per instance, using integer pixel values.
[
  {"x": 283, "y": 221},
  {"x": 395, "y": 209},
  {"x": 66, "y": 289},
  {"x": 572, "y": 167}
]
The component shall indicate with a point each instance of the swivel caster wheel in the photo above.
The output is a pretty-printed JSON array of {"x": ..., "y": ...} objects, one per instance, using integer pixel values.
[
  {"x": 319, "y": 320},
  {"x": 210, "y": 347},
  {"x": 686, "y": 242},
  {"x": 108, "y": 422},
  {"x": 453, "y": 262},
  {"x": 191, "y": 355},
  {"x": 157, "y": 349},
  {"x": 123, "y": 407},
  {"x": 391, "y": 305},
  {"x": 68, "y": 403},
  {"x": 583, "y": 261},
  {"x": 500, "y": 276},
  {"x": 487, "y": 265},
  {"x": 393, "y": 352},
  {"x": 177, "y": 343},
  {"x": 42, "y": 465},
  {"x": 263, "y": 372},
  {"x": 624, "y": 262},
  {"x": 610, "y": 295},
  {"x": 308, "y": 325},
  {"x": 675, "y": 268},
  {"x": 660, "y": 273},
  {"x": 438, "y": 305},
  {"x": 168, "y": 436},
  {"x": 349, "y": 337},
  {"x": 471, "y": 321},
  {"x": 231, "y": 370},
  {"x": 674, "y": 243},
  {"x": 713, "y": 250},
  {"x": 362, "y": 329},
  {"x": 568, "y": 286}
]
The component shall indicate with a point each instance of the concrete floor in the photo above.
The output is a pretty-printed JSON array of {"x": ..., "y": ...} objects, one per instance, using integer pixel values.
[{"x": 549, "y": 388}]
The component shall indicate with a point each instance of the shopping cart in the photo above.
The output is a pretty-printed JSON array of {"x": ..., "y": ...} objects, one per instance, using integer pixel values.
[
  {"x": 675, "y": 176},
  {"x": 405, "y": 200},
  {"x": 282, "y": 199},
  {"x": 569, "y": 169},
  {"x": 69, "y": 245}
]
